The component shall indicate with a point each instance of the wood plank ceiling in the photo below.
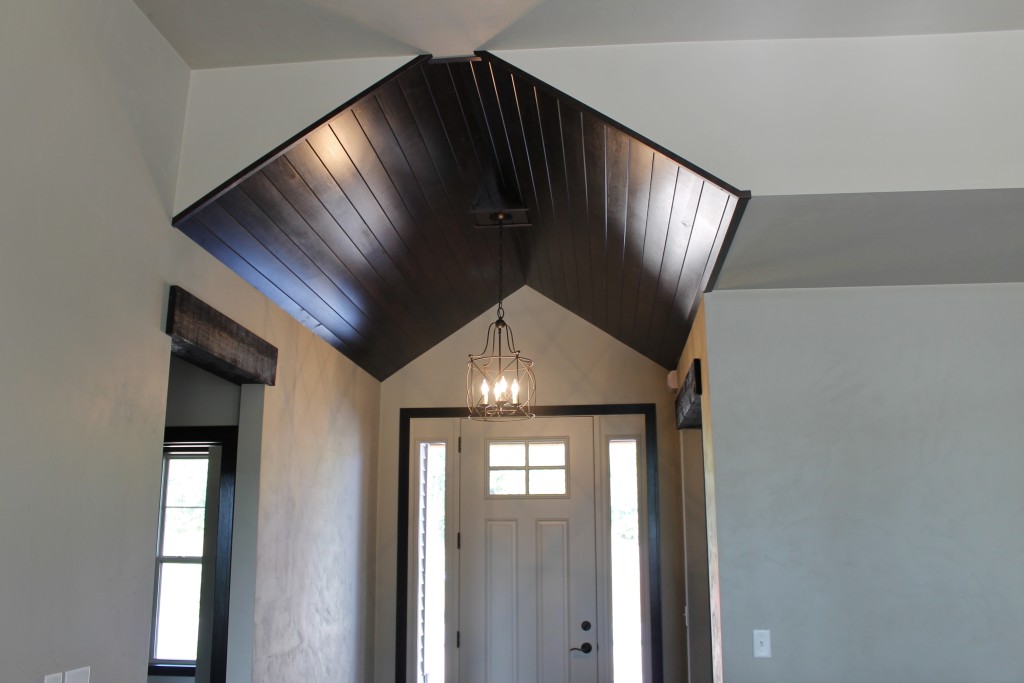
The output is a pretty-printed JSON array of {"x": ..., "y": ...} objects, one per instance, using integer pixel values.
[{"x": 363, "y": 226}]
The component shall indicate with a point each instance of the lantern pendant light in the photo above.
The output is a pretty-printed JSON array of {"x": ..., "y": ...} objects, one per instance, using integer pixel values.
[{"x": 500, "y": 385}]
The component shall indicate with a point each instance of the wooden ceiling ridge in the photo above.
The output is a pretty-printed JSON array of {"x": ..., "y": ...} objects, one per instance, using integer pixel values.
[{"x": 362, "y": 225}]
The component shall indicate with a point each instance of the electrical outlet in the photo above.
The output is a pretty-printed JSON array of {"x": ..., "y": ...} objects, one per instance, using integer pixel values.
[
  {"x": 53, "y": 678},
  {"x": 77, "y": 675},
  {"x": 762, "y": 643}
]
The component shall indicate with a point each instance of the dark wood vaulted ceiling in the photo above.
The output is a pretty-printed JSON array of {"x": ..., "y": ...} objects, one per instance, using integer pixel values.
[{"x": 363, "y": 228}]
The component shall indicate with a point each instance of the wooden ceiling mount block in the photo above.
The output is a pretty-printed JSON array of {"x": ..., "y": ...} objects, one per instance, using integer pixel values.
[
  {"x": 205, "y": 337},
  {"x": 515, "y": 217}
]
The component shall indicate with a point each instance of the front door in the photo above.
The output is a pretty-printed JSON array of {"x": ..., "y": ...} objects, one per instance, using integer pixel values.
[{"x": 528, "y": 580}]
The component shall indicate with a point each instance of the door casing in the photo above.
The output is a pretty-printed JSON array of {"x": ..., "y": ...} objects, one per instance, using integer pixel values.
[{"x": 406, "y": 415}]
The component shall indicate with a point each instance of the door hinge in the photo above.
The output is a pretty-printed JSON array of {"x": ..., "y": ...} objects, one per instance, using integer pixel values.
[
  {"x": 458, "y": 639},
  {"x": 460, "y": 444},
  {"x": 458, "y": 541}
]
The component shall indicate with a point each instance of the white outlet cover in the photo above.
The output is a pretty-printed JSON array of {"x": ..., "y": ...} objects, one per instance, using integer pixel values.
[
  {"x": 762, "y": 643},
  {"x": 54, "y": 678},
  {"x": 77, "y": 675}
]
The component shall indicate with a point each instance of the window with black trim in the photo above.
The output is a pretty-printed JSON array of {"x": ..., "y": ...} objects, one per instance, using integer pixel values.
[
  {"x": 193, "y": 554},
  {"x": 179, "y": 559}
]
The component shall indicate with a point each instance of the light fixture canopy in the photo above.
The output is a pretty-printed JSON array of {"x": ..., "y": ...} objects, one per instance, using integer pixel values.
[{"x": 500, "y": 385}]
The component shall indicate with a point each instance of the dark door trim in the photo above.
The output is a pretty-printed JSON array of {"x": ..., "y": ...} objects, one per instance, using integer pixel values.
[{"x": 406, "y": 415}]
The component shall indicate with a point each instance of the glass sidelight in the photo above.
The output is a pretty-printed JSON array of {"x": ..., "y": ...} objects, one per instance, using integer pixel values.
[
  {"x": 626, "y": 586},
  {"x": 430, "y": 598}
]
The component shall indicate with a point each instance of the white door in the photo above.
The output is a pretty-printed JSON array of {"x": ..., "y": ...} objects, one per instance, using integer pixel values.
[{"x": 528, "y": 578}]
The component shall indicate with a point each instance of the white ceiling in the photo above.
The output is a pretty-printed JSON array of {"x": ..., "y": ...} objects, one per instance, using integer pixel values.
[
  {"x": 878, "y": 239},
  {"x": 824, "y": 240},
  {"x": 215, "y": 33}
]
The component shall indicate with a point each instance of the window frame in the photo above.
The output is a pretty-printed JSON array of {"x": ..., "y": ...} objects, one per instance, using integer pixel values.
[
  {"x": 526, "y": 468},
  {"x": 430, "y": 432},
  {"x": 419, "y": 608},
  {"x": 614, "y": 428},
  {"x": 216, "y": 559}
]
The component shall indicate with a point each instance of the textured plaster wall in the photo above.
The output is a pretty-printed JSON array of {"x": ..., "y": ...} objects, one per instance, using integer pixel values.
[
  {"x": 869, "y": 459},
  {"x": 314, "y": 578}
]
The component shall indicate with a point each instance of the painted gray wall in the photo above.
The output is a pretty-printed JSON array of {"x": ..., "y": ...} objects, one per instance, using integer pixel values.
[
  {"x": 197, "y": 398},
  {"x": 869, "y": 448},
  {"x": 92, "y": 117},
  {"x": 241, "y": 614},
  {"x": 876, "y": 239}
]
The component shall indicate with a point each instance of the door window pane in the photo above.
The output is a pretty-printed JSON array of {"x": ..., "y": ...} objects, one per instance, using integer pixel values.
[
  {"x": 527, "y": 468},
  {"x": 547, "y": 454},
  {"x": 507, "y": 455},
  {"x": 547, "y": 482},
  {"x": 508, "y": 482}
]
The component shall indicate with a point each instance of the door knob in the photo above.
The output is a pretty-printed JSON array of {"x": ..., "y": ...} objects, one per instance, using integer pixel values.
[{"x": 585, "y": 648}]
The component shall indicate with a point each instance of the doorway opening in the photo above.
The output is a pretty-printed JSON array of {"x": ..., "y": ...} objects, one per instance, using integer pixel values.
[{"x": 535, "y": 548}]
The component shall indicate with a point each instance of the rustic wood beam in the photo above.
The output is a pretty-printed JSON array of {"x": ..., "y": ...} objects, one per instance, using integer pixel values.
[{"x": 207, "y": 338}]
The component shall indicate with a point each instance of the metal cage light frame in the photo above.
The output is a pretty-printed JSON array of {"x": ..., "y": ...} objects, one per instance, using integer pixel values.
[{"x": 500, "y": 384}]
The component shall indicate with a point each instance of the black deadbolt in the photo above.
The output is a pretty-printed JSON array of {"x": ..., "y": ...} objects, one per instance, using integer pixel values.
[{"x": 585, "y": 626}]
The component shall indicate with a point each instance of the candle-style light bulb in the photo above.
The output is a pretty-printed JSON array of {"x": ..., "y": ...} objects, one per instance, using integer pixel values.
[
  {"x": 499, "y": 389},
  {"x": 484, "y": 390},
  {"x": 515, "y": 392}
]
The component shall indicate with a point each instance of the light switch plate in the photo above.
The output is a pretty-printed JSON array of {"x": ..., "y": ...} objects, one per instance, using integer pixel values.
[
  {"x": 77, "y": 675},
  {"x": 762, "y": 643},
  {"x": 54, "y": 678}
]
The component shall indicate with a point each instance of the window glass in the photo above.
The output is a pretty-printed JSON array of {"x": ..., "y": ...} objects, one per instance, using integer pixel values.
[
  {"x": 430, "y": 596},
  {"x": 183, "y": 532},
  {"x": 627, "y": 597},
  {"x": 507, "y": 454},
  {"x": 547, "y": 454},
  {"x": 180, "y": 559},
  {"x": 527, "y": 468},
  {"x": 177, "y": 613},
  {"x": 508, "y": 482},
  {"x": 186, "y": 482},
  {"x": 547, "y": 482}
]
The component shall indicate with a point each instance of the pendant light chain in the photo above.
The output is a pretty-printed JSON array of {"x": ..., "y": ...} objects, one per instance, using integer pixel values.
[{"x": 501, "y": 268}]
